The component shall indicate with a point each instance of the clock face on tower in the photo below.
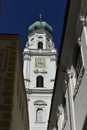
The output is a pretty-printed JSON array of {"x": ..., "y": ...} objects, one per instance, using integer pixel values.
[{"x": 40, "y": 62}]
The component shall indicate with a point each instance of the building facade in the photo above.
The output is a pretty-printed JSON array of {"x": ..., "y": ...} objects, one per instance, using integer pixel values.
[
  {"x": 13, "y": 101},
  {"x": 69, "y": 106},
  {"x": 39, "y": 69}
]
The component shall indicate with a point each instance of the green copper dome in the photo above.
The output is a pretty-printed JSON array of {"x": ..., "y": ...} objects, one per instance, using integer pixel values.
[{"x": 40, "y": 26}]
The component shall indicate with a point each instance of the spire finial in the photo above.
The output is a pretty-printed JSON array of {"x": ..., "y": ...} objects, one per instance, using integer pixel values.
[{"x": 40, "y": 17}]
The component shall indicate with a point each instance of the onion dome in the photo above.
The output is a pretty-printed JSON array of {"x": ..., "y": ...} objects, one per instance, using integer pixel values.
[{"x": 40, "y": 27}]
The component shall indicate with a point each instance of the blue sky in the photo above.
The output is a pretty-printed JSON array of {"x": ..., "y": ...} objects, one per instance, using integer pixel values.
[{"x": 17, "y": 15}]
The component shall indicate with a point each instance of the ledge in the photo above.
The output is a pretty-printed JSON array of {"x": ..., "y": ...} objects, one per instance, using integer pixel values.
[{"x": 39, "y": 90}]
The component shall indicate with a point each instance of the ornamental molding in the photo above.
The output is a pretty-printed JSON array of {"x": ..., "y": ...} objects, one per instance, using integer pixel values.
[
  {"x": 62, "y": 112},
  {"x": 39, "y": 90},
  {"x": 79, "y": 41},
  {"x": 40, "y": 71},
  {"x": 70, "y": 73},
  {"x": 78, "y": 82},
  {"x": 83, "y": 20},
  {"x": 27, "y": 57},
  {"x": 39, "y": 53},
  {"x": 40, "y": 102}
]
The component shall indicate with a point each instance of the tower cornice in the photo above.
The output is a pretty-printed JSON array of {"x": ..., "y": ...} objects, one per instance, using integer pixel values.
[
  {"x": 40, "y": 53},
  {"x": 39, "y": 91}
]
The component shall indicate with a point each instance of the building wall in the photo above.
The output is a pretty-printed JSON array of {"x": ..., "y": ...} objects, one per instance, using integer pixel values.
[
  {"x": 32, "y": 110},
  {"x": 76, "y": 89},
  {"x": 20, "y": 113},
  {"x": 70, "y": 102},
  {"x": 81, "y": 97},
  {"x": 13, "y": 102},
  {"x": 34, "y": 93},
  {"x": 35, "y": 38},
  {"x": 48, "y": 74}
]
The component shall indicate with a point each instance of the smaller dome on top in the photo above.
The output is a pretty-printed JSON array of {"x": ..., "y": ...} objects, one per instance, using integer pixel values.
[{"x": 40, "y": 26}]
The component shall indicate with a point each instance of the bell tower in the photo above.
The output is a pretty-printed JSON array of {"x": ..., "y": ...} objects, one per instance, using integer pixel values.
[{"x": 39, "y": 70}]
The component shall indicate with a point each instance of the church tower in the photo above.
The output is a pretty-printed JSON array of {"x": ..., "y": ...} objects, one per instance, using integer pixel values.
[{"x": 39, "y": 70}]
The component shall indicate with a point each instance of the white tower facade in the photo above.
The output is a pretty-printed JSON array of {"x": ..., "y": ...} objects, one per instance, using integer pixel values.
[{"x": 39, "y": 70}]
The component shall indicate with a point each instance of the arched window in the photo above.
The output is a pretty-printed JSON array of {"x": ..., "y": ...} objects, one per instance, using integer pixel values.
[
  {"x": 39, "y": 115},
  {"x": 40, "y": 45},
  {"x": 40, "y": 111},
  {"x": 39, "y": 82}
]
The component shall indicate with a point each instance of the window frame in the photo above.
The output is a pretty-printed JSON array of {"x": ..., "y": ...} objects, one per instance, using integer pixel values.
[
  {"x": 40, "y": 104},
  {"x": 40, "y": 81},
  {"x": 39, "y": 118},
  {"x": 40, "y": 45}
]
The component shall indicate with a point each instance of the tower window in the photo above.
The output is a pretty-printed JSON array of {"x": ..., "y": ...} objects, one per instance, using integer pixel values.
[
  {"x": 32, "y": 39},
  {"x": 39, "y": 115},
  {"x": 40, "y": 111},
  {"x": 40, "y": 37},
  {"x": 39, "y": 82},
  {"x": 40, "y": 45}
]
